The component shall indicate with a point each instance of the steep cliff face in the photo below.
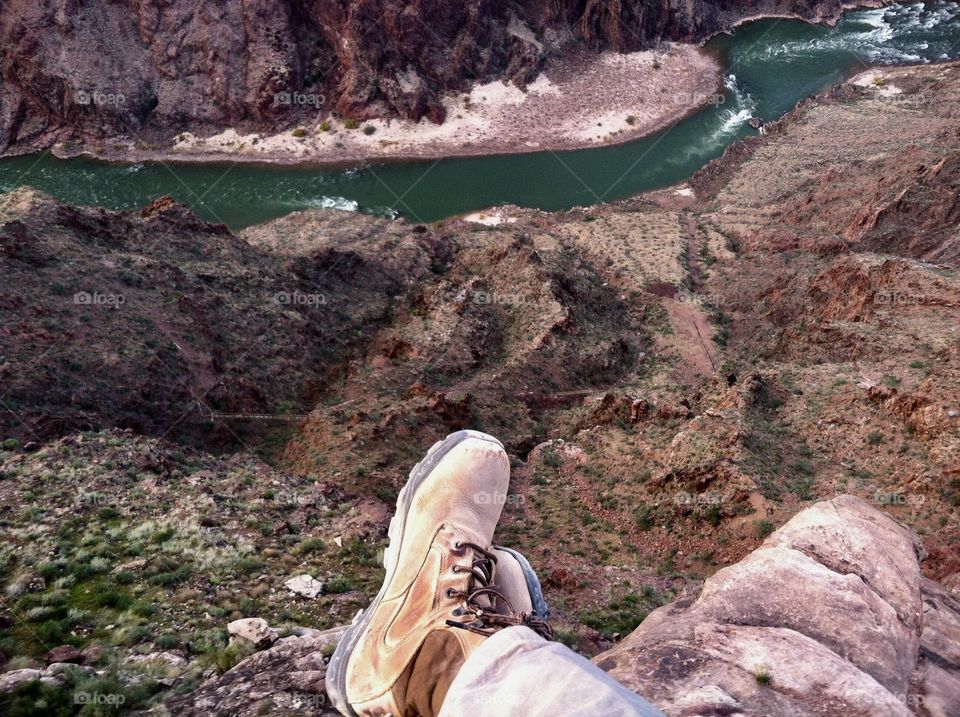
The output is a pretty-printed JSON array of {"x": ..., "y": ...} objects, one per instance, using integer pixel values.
[{"x": 135, "y": 68}]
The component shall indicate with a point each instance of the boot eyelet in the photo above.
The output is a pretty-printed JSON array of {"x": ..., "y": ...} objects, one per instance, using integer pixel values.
[
  {"x": 458, "y": 547},
  {"x": 457, "y": 569}
]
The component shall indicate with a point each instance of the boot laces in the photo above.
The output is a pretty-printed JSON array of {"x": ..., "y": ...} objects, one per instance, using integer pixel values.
[{"x": 478, "y": 602}]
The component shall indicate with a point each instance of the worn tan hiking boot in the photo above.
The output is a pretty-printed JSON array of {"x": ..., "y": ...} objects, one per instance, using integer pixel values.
[{"x": 435, "y": 606}]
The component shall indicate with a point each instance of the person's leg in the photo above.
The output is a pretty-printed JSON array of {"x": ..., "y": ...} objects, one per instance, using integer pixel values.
[
  {"x": 517, "y": 672},
  {"x": 454, "y": 629},
  {"x": 439, "y": 601}
]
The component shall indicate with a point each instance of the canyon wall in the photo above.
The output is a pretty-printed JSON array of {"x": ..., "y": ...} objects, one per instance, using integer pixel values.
[
  {"x": 142, "y": 67},
  {"x": 674, "y": 377}
]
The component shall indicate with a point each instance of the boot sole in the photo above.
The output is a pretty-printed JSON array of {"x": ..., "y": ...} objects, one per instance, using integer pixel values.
[{"x": 336, "y": 676}]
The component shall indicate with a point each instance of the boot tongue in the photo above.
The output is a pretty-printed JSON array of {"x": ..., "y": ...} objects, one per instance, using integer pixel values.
[
  {"x": 486, "y": 567},
  {"x": 499, "y": 611},
  {"x": 483, "y": 602}
]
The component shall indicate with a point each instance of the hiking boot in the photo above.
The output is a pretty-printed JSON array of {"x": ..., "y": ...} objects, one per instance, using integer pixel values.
[{"x": 436, "y": 605}]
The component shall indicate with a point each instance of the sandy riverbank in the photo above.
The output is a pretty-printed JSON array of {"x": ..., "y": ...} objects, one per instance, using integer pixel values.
[{"x": 585, "y": 101}]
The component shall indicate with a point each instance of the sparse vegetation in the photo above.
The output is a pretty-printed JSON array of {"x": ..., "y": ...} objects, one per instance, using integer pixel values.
[
  {"x": 618, "y": 618},
  {"x": 132, "y": 579},
  {"x": 762, "y": 528},
  {"x": 338, "y": 584},
  {"x": 644, "y": 517},
  {"x": 552, "y": 459}
]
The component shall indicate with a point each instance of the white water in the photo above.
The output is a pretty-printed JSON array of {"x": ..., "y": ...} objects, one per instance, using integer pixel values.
[
  {"x": 740, "y": 113},
  {"x": 340, "y": 203},
  {"x": 887, "y": 34}
]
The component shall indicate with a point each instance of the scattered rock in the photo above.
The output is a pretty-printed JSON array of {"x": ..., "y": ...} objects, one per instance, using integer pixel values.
[
  {"x": 9, "y": 681},
  {"x": 304, "y": 585},
  {"x": 63, "y": 653},
  {"x": 254, "y": 630},
  {"x": 562, "y": 579},
  {"x": 170, "y": 659},
  {"x": 58, "y": 668},
  {"x": 351, "y": 597},
  {"x": 91, "y": 654},
  {"x": 952, "y": 584},
  {"x": 57, "y": 673},
  {"x": 286, "y": 680}
]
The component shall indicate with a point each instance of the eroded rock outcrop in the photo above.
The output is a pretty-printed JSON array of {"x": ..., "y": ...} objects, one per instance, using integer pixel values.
[
  {"x": 830, "y": 616},
  {"x": 287, "y": 679}
]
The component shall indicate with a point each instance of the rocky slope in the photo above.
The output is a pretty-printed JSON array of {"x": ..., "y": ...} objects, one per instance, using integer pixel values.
[
  {"x": 829, "y": 616},
  {"x": 154, "y": 320},
  {"x": 145, "y": 550},
  {"x": 174, "y": 66},
  {"x": 674, "y": 376}
]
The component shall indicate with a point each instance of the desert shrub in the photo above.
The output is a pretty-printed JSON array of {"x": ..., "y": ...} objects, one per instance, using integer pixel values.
[
  {"x": 554, "y": 460},
  {"x": 762, "y": 528},
  {"x": 644, "y": 517},
  {"x": 310, "y": 545},
  {"x": 169, "y": 579},
  {"x": 338, "y": 584},
  {"x": 167, "y": 641}
]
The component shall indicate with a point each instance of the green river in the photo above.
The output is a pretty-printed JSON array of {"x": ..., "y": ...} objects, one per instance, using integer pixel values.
[{"x": 769, "y": 66}]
